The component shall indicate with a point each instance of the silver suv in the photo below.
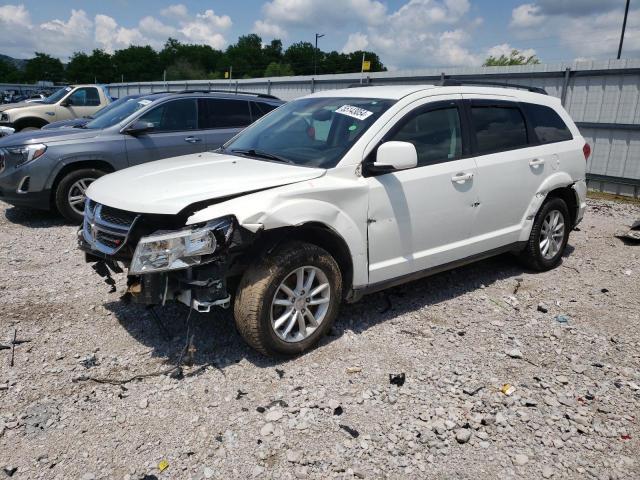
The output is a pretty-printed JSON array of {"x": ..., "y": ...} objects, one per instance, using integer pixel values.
[{"x": 51, "y": 169}]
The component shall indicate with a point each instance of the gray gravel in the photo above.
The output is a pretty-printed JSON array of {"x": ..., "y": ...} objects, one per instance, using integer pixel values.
[{"x": 541, "y": 383}]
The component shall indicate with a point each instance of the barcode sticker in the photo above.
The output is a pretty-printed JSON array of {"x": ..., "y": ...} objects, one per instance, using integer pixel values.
[{"x": 354, "y": 112}]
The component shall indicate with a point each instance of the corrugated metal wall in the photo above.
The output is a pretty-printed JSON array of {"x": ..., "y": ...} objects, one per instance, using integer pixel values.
[{"x": 603, "y": 97}]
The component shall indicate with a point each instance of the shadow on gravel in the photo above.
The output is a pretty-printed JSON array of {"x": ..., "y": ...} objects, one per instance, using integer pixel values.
[
  {"x": 29, "y": 217},
  {"x": 217, "y": 343}
]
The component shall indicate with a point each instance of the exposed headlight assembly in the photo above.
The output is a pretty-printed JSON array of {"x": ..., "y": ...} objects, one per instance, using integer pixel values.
[
  {"x": 25, "y": 153},
  {"x": 180, "y": 249}
]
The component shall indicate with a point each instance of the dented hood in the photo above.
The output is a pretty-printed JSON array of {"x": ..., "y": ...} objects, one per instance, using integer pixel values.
[{"x": 168, "y": 186}]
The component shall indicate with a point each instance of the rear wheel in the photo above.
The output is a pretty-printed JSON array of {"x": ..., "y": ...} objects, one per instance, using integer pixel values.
[
  {"x": 70, "y": 194},
  {"x": 549, "y": 236},
  {"x": 288, "y": 301}
]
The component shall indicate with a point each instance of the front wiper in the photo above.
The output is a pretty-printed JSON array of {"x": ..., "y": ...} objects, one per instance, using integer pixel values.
[{"x": 261, "y": 154}]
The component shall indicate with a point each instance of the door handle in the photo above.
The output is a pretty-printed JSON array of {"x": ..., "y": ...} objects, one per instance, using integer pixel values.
[
  {"x": 461, "y": 177},
  {"x": 536, "y": 161},
  {"x": 192, "y": 139}
]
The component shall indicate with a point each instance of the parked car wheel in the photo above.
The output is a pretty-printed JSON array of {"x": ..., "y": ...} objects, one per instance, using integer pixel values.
[
  {"x": 70, "y": 194},
  {"x": 549, "y": 236},
  {"x": 288, "y": 300}
]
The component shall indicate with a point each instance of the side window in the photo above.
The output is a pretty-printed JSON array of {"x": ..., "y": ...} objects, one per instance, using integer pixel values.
[
  {"x": 259, "y": 109},
  {"x": 547, "y": 124},
  {"x": 498, "y": 128},
  {"x": 224, "y": 113},
  {"x": 85, "y": 97},
  {"x": 435, "y": 134},
  {"x": 175, "y": 115}
]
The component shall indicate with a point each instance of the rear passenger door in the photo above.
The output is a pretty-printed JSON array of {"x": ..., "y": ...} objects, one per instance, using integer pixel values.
[
  {"x": 511, "y": 169},
  {"x": 222, "y": 118},
  {"x": 175, "y": 133}
]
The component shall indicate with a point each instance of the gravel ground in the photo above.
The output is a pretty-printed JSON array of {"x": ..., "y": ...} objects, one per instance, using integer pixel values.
[{"x": 458, "y": 338}]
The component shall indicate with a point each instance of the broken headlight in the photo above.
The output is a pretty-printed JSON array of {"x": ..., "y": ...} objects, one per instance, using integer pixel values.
[{"x": 181, "y": 248}]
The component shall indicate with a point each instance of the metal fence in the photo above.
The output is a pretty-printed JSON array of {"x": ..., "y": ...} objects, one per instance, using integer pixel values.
[{"x": 603, "y": 97}]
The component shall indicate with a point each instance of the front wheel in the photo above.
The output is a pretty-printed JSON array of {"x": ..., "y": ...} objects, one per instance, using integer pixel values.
[
  {"x": 70, "y": 194},
  {"x": 288, "y": 301},
  {"x": 549, "y": 236}
]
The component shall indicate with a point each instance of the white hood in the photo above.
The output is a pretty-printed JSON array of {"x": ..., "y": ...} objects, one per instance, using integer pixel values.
[{"x": 170, "y": 185}]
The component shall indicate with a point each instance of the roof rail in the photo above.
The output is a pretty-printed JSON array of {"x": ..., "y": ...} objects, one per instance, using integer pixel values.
[
  {"x": 232, "y": 92},
  {"x": 454, "y": 82}
]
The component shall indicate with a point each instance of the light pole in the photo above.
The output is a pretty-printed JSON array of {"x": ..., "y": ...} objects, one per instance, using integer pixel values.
[
  {"x": 315, "y": 52},
  {"x": 624, "y": 26}
]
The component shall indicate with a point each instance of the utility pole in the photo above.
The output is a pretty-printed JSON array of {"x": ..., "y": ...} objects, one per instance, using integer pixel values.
[
  {"x": 624, "y": 26},
  {"x": 315, "y": 52},
  {"x": 362, "y": 68}
]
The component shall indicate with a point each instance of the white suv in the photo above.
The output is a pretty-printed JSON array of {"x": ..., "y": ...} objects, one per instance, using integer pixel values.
[{"x": 339, "y": 194}]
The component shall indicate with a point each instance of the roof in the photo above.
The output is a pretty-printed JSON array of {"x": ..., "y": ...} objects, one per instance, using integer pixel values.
[{"x": 396, "y": 92}]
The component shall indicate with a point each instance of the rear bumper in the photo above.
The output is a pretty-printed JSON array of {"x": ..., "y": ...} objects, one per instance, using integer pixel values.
[{"x": 580, "y": 188}]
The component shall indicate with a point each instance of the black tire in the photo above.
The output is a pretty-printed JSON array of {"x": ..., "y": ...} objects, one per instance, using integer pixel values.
[
  {"x": 64, "y": 186},
  {"x": 532, "y": 255},
  {"x": 258, "y": 287}
]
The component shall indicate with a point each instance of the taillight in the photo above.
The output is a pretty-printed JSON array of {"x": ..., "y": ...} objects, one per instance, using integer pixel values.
[{"x": 587, "y": 151}]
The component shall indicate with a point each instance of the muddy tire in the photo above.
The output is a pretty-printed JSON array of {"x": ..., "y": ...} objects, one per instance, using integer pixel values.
[
  {"x": 69, "y": 195},
  {"x": 549, "y": 236},
  {"x": 288, "y": 300}
]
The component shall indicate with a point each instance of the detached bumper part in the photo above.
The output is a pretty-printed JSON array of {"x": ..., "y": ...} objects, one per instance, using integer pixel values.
[{"x": 200, "y": 288}]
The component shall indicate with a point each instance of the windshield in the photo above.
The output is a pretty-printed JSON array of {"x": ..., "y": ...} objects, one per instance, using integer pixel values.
[
  {"x": 118, "y": 113},
  {"x": 54, "y": 98},
  {"x": 311, "y": 132},
  {"x": 112, "y": 105}
]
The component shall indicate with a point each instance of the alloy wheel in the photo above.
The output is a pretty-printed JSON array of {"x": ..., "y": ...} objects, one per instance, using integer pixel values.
[
  {"x": 552, "y": 234},
  {"x": 300, "y": 304}
]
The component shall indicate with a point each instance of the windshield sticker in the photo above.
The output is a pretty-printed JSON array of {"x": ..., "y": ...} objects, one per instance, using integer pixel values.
[
  {"x": 144, "y": 102},
  {"x": 354, "y": 112},
  {"x": 67, "y": 89}
]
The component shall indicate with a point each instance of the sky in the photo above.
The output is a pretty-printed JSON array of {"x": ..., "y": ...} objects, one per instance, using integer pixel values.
[{"x": 406, "y": 34}]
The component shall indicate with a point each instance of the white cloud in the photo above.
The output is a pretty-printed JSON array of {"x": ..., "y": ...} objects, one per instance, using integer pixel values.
[
  {"x": 506, "y": 49},
  {"x": 15, "y": 14},
  {"x": 153, "y": 27},
  {"x": 526, "y": 16},
  {"x": 205, "y": 28},
  {"x": 356, "y": 41},
  {"x": 179, "y": 11},
  {"x": 270, "y": 30},
  {"x": 326, "y": 13}
]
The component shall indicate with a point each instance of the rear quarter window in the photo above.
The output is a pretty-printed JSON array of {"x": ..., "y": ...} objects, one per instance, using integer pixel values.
[{"x": 546, "y": 123}]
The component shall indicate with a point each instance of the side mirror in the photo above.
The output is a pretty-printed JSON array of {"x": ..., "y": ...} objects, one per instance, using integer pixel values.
[
  {"x": 139, "y": 127},
  {"x": 66, "y": 102},
  {"x": 392, "y": 156}
]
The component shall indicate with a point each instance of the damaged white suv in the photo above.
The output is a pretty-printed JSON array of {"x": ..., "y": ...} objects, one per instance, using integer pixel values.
[{"x": 339, "y": 194}]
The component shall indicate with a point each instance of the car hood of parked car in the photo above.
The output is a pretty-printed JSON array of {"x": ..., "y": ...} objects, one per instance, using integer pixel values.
[
  {"x": 171, "y": 185},
  {"x": 7, "y": 106},
  {"x": 48, "y": 136}
]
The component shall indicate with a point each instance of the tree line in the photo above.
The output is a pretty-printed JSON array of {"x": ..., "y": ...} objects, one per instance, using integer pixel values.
[{"x": 247, "y": 58}]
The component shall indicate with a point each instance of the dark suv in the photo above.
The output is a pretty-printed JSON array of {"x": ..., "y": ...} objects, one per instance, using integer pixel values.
[{"x": 51, "y": 169}]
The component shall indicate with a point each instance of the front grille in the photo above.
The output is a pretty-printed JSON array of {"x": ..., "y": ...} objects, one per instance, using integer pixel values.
[{"x": 106, "y": 229}]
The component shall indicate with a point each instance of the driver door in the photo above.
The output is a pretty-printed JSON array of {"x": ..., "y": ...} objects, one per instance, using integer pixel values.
[
  {"x": 82, "y": 102},
  {"x": 422, "y": 217}
]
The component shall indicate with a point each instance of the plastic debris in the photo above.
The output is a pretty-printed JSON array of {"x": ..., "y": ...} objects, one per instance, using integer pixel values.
[
  {"x": 337, "y": 411},
  {"x": 354, "y": 369},
  {"x": 351, "y": 431},
  {"x": 562, "y": 318},
  {"x": 163, "y": 465},
  {"x": 508, "y": 389},
  {"x": 397, "y": 380}
]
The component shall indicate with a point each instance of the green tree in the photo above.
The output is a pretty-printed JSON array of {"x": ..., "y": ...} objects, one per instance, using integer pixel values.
[
  {"x": 246, "y": 56},
  {"x": 514, "y": 58},
  {"x": 44, "y": 67},
  {"x": 278, "y": 70},
  {"x": 185, "y": 70},
  {"x": 300, "y": 56},
  {"x": 137, "y": 64},
  {"x": 78, "y": 68},
  {"x": 9, "y": 73}
]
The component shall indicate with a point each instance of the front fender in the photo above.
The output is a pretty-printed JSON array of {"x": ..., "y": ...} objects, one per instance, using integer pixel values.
[
  {"x": 553, "y": 182},
  {"x": 266, "y": 211}
]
